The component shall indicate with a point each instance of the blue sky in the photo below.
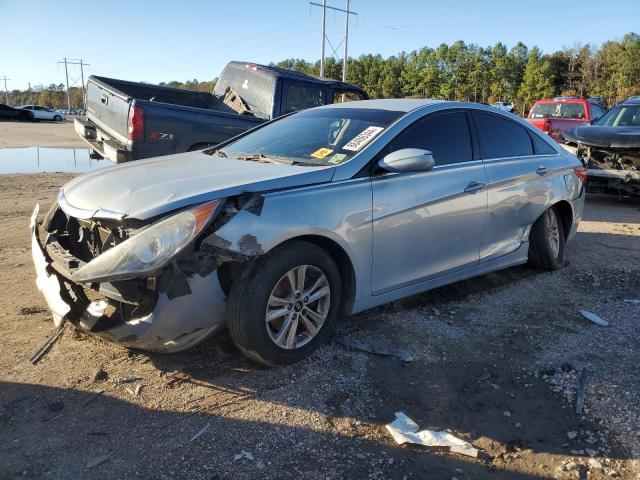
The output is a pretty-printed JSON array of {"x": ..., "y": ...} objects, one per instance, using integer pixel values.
[{"x": 167, "y": 40}]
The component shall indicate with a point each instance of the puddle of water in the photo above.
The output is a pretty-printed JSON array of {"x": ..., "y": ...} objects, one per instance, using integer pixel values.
[{"x": 42, "y": 159}]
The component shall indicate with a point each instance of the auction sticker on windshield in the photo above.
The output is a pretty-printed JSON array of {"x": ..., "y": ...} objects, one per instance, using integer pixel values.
[
  {"x": 362, "y": 139},
  {"x": 337, "y": 158},
  {"x": 321, "y": 153}
]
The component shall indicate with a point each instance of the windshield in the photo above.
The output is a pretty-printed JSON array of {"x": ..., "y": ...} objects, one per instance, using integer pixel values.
[
  {"x": 621, "y": 116},
  {"x": 557, "y": 110},
  {"x": 325, "y": 136}
]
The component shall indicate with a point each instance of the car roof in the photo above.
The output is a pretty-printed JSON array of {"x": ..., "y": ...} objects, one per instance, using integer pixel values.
[
  {"x": 562, "y": 99},
  {"x": 394, "y": 104},
  {"x": 631, "y": 101}
]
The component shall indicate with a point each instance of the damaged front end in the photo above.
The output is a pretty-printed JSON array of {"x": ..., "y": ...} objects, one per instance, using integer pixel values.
[
  {"x": 152, "y": 285},
  {"x": 611, "y": 165},
  {"x": 611, "y": 168}
]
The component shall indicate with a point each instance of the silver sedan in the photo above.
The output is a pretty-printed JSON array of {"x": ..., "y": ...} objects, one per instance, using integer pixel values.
[{"x": 322, "y": 213}]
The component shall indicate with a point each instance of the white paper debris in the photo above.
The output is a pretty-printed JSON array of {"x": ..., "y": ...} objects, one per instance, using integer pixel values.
[
  {"x": 405, "y": 430},
  {"x": 594, "y": 318}
]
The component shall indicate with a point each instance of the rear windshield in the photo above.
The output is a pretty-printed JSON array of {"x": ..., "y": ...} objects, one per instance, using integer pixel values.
[
  {"x": 324, "y": 136},
  {"x": 557, "y": 110},
  {"x": 621, "y": 116}
]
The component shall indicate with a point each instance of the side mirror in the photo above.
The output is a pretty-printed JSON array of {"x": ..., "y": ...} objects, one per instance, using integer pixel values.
[{"x": 408, "y": 160}]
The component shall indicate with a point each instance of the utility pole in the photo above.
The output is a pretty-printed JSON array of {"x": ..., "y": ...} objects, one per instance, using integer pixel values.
[
  {"x": 324, "y": 36},
  {"x": 345, "y": 39},
  {"x": 66, "y": 76},
  {"x": 6, "y": 92},
  {"x": 75, "y": 61}
]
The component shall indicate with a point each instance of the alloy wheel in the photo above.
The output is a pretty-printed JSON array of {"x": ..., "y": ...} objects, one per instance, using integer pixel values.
[
  {"x": 552, "y": 232},
  {"x": 298, "y": 307}
]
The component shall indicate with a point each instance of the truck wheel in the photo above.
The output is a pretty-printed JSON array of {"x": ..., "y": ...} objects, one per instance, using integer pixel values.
[
  {"x": 283, "y": 307},
  {"x": 547, "y": 242}
]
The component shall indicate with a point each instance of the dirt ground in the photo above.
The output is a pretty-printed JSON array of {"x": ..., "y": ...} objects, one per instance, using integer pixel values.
[
  {"x": 39, "y": 134},
  {"x": 495, "y": 362}
]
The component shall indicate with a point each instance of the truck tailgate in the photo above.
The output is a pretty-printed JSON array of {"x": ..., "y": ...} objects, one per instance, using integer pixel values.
[{"x": 108, "y": 108}]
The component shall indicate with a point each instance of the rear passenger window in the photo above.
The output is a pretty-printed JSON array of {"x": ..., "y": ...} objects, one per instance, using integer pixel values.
[
  {"x": 446, "y": 135},
  {"x": 500, "y": 138},
  {"x": 541, "y": 147},
  {"x": 301, "y": 97}
]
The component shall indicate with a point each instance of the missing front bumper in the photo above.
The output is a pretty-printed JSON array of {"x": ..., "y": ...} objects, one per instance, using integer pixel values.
[{"x": 173, "y": 324}]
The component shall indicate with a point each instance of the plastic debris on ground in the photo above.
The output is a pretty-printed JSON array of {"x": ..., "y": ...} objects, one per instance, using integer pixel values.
[
  {"x": 377, "y": 349},
  {"x": 405, "y": 430},
  {"x": 201, "y": 432},
  {"x": 593, "y": 318},
  {"x": 243, "y": 454},
  {"x": 98, "y": 460}
]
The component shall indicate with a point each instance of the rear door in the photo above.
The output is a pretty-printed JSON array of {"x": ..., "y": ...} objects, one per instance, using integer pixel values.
[
  {"x": 428, "y": 224},
  {"x": 519, "y": 167}
]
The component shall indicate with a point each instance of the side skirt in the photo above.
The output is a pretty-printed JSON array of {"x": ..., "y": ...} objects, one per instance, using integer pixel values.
[{"x": 517, "y": 257}]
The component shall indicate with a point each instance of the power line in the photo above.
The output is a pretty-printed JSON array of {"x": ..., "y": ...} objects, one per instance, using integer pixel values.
[
  {"x": 6, "y": 92},
  {"x": 75, "y": 61},
  {"x": 345, "y": 38}
]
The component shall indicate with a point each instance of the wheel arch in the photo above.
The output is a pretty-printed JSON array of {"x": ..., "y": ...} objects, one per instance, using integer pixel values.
[
  {"x": 342, "y": 261},
  {"x": 565, "y": 214}
]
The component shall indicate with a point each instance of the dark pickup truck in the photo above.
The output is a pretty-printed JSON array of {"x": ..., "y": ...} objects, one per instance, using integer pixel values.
[{"x": 129, "y": 121}]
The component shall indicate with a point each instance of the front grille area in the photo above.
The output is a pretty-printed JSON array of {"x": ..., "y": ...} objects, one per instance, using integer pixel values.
[
  {"x": 70, "y": 243},
  {"x": 83, "y": 239}
]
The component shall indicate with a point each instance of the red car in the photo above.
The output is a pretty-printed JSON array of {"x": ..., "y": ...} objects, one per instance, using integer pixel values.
[{"x": 556, "y": 115}]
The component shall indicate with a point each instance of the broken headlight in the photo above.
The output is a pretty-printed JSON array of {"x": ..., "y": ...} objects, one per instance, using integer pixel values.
[{"x": 149, "y": 250}]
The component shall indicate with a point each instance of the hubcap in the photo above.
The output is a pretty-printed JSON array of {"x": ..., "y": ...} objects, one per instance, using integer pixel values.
[
  {"x": 553, "y": 232},
  {"x": 298, "y": 307}
]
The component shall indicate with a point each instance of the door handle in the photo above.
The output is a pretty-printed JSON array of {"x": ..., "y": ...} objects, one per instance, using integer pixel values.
[
  {"x": 542, "y": 171},
  {"x": 474, "y": 186}
]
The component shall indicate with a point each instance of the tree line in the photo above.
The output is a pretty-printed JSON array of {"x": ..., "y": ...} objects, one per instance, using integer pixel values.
[
  {"x": 469, "y": 72},
  {"x": 460, "y": 71}
]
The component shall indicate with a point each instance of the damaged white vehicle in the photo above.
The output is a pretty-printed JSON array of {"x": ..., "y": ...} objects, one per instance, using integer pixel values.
[{"x": 322, "y": 213}]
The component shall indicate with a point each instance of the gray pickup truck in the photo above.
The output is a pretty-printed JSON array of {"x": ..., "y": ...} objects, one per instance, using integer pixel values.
[{"x": 129, "y": 120}]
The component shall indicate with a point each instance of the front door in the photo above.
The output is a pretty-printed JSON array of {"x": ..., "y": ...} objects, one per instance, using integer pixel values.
[{"x": 429, "y": 223}]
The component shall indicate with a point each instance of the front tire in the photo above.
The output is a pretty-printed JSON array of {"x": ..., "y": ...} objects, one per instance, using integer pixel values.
[
  {"x": 283, "y": 307},
  {"x": 547, "y": 242},
  {"x": 57, "y": 118}
]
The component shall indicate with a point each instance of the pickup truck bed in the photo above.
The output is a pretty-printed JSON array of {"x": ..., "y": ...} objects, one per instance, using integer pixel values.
[{"x": 129, "y": 120}]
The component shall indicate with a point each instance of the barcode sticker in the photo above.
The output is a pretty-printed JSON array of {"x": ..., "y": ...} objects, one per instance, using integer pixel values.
[{"x": 362, "y": 139}]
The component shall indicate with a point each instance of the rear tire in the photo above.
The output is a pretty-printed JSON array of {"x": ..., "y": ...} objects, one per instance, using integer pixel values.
[
  {"x": 263, "y": 291},
  {"x": 547, "y": 242}
]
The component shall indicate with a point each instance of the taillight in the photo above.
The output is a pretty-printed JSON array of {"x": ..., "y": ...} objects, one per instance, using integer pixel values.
[
  {"x": 546, "y": 126},
  {"x": 136, "y": 124},
  {"x": 581, "y": 173}
]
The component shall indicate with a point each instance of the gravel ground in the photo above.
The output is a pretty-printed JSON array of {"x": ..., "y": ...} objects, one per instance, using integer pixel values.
[
  {"x": 496, "y": 361},
  {"x": 40, "y": 134}
]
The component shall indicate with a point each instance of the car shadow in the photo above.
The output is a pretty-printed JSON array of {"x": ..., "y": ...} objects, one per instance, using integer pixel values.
[{"x": 63, "y": 433}]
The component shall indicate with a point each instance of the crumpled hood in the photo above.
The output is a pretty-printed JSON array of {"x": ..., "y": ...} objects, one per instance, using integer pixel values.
[
  {"x": 147, "y": 188},
  {"x": 612, "y": 137}
]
